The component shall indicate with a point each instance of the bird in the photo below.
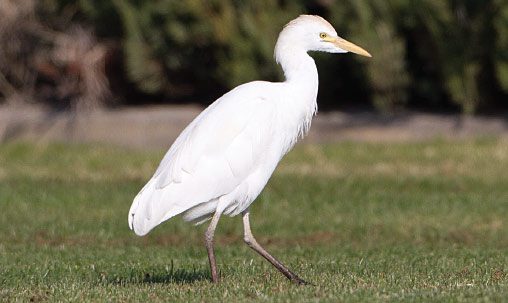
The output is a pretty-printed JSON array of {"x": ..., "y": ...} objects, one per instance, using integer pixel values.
[{"x": 223, "y": 159}]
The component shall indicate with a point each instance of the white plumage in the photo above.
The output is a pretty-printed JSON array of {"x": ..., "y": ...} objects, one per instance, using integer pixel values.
[{"x": 223, "y": 159}]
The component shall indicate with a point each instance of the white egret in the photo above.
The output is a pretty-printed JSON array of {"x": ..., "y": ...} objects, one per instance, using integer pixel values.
[{"x": 223, "y": 159}]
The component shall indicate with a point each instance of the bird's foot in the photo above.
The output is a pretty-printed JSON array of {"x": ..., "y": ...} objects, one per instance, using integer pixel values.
[
  {"x": 215, "y": 277},
  {"x": 299, "y": 281}
]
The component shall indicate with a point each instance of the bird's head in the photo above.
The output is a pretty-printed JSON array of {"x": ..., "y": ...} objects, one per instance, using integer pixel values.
[{"x": 313, "y": 33}]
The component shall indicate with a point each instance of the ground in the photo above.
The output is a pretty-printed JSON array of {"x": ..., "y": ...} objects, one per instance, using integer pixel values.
[{"x": 364, "y": 222}]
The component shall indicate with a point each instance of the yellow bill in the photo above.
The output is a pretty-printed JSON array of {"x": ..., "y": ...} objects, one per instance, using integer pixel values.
[{"x": 350, "y": 47}]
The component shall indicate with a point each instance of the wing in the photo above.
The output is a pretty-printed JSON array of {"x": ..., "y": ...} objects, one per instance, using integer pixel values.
[{"x": 210, "y": 158}]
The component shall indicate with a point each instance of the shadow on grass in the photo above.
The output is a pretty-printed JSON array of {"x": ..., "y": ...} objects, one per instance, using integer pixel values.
[{"x": 179, "y": 276}]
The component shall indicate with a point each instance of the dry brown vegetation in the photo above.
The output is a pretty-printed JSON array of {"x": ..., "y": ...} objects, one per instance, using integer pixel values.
[{"x": 61, "y": 64}]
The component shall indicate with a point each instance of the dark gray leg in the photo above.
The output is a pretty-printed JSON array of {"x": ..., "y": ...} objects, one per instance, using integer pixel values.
[
  {"x": 251, "y": 241},
  {"x": 210, "y": 231}
]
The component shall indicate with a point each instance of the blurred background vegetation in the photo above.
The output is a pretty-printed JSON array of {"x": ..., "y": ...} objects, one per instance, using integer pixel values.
[{"x": 432, "y": 55}]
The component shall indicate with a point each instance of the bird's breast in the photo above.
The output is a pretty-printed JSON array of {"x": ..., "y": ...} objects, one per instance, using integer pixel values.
[{"x": 294, "y": 118}]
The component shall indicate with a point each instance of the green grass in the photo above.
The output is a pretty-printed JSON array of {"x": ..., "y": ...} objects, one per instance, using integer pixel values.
[{"x": 364, "y": 222}]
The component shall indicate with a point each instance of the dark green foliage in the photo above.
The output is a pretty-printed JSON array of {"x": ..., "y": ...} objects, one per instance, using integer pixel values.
[
  {"x": 500, "y": 23},
  {"x": 373, "y": 25},
  {"x": 428, "y": 53},
  {"x": 192, "y": 47},
  {"x": 464, "y": 43}
]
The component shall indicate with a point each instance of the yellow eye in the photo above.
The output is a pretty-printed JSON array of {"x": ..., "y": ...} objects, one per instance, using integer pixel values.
[{"x": 323, "y": 35}]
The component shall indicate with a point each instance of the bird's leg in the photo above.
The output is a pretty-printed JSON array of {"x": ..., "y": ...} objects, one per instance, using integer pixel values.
[
  {"x": 210, "y": 231},
  {"x": 251, "y": 241}
]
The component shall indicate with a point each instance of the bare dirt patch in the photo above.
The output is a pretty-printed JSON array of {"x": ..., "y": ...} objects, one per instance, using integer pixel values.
[{"x": 157, "y": 127}]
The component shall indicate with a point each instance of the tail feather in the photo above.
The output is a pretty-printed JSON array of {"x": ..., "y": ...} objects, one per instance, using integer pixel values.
[
  {"x": 142, "y": 218},
  {"x": 197, "y": 195}
]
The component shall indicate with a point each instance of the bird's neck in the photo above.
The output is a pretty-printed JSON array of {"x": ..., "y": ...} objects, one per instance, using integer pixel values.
[
  {"x": 301, "y": 77},
  {"x": 300, "y": 103},
  {"x": 298, "y": 67}
]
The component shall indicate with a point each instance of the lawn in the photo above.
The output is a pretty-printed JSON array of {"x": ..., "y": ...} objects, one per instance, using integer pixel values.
[{"x": 364, "y": 222}]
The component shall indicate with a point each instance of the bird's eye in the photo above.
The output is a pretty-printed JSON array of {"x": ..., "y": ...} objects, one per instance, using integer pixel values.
[{"x": 323, "y": 35}]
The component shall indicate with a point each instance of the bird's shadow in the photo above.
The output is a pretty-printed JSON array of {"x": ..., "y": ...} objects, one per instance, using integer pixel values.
[{"x": 178, "y": 276}]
